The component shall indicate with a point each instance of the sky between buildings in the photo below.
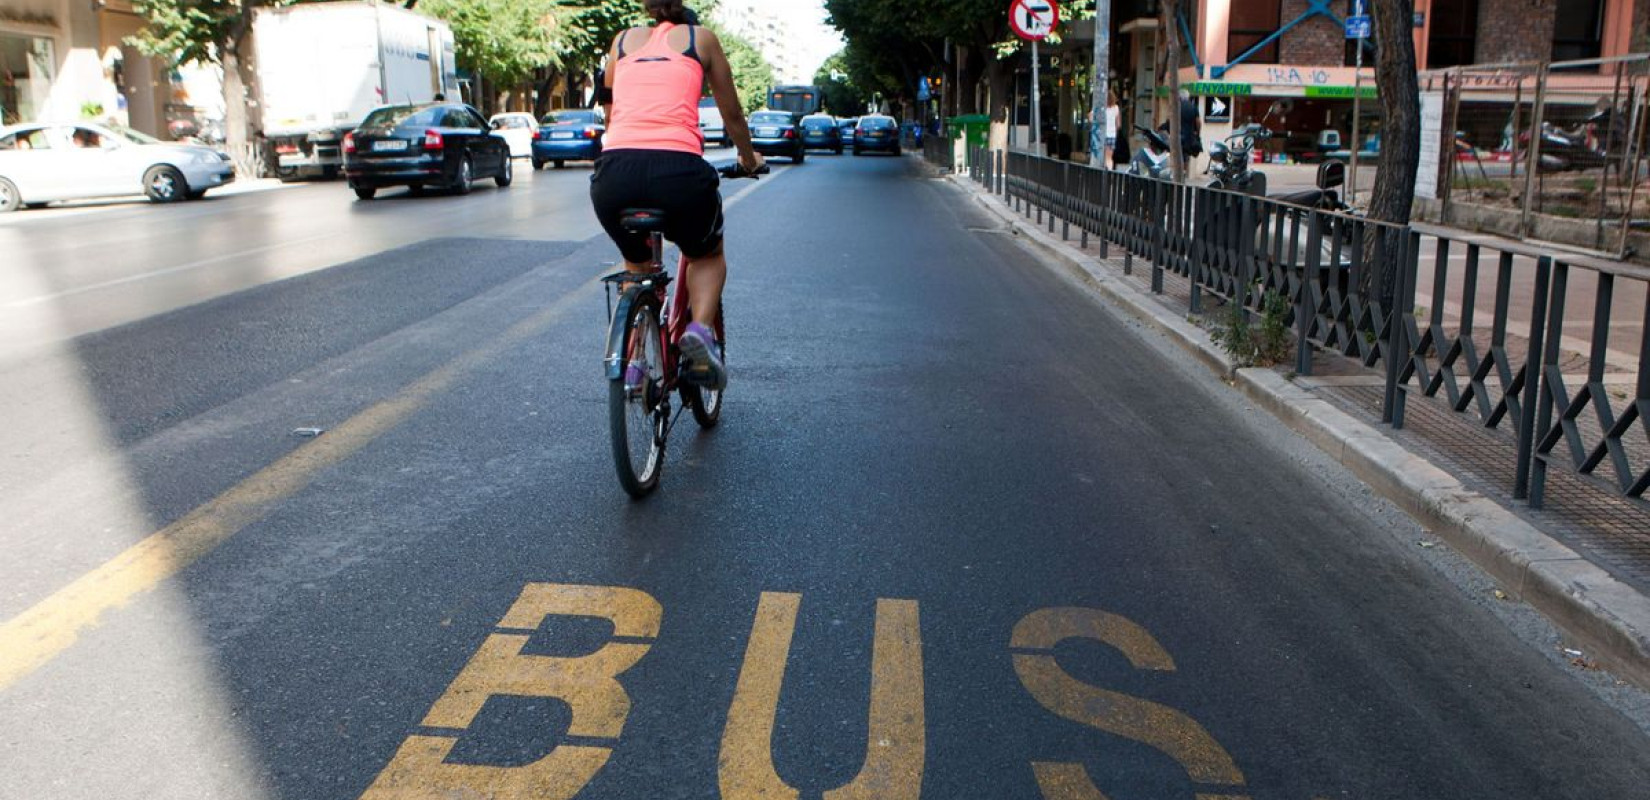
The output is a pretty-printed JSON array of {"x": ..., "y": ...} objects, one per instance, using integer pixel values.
[{"x": 791, "y": 34}]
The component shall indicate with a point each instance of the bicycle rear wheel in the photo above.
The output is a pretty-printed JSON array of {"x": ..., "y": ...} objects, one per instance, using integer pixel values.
[
  {"x": 637, "y": 404},
  {"x": 706, "y": 404}
]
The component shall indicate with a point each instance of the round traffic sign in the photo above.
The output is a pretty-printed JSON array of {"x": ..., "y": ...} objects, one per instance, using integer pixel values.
[{"x": 1033, "y": 19}]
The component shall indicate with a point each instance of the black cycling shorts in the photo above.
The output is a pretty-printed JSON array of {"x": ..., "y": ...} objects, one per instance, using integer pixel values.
[{"x": 682, "y": 185}]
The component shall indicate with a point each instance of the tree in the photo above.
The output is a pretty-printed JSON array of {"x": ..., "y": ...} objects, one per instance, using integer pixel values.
[
  {"x": 211, "y": 32},
  {"x": 1400, "y": 157},
  {"x": 839, "y": 93},
  {"x": 752, "y": 74},
  {"x": 505, "y": 40}
]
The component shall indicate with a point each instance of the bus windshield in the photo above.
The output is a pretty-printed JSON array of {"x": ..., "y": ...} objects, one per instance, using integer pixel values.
[{"x": 799, "y": 100}]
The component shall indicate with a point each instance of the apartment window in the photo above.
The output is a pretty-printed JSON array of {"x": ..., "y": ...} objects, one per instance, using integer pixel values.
[
  {"x": 1578, "y": 32},
  {"x": 1453, "y": 39},
  {"x": 1251, "y": 22}
]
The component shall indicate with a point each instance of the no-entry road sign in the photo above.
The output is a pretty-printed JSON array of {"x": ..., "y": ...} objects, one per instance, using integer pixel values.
[{"x": 1033, "y": 19}]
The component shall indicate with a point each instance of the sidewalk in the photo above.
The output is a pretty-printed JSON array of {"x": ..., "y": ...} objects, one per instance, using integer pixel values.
[{"x": 1583, "y": 560}]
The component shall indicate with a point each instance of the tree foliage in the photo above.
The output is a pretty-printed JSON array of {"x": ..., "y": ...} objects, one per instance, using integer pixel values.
[
  {"x": 839, "y": 93},
  {"x": 505, "y": 40}
]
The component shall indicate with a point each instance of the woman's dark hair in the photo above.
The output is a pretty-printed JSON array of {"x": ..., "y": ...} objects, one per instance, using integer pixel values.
[{"x": 666, "y": 11}]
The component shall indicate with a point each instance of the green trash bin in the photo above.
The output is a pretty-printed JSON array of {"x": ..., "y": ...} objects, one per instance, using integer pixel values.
[{"x": 974, "y": 128}]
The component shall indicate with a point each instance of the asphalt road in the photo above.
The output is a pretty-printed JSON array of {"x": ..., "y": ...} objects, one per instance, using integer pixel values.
[{"x": 963, "y": 533}]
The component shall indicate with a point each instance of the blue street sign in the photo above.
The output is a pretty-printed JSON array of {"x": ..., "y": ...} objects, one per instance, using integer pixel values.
[
  {"x": 922, "y": 90},
  {"x": 1357, "y": 27}
]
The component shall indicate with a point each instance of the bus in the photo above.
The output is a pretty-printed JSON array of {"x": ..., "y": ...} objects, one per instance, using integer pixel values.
[{"x": 799, "y": 100}]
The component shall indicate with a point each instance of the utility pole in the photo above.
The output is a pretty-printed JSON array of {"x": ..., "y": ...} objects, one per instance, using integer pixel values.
[{"x": 1102, "y": 82}]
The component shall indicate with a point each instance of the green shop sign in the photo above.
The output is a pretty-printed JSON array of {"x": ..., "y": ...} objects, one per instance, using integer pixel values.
[
  {"x": 1212, "y": 89},
  {"x": 1340, "y": 92}
]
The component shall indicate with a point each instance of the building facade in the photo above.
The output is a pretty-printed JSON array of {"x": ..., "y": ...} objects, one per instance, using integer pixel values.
[{"x": 68, "y": 59}]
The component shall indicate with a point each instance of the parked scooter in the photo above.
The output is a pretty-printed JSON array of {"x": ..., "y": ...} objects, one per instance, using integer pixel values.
[
  {"x": 1151, "y": 159},
  {"x": 1230, "y": 159}
]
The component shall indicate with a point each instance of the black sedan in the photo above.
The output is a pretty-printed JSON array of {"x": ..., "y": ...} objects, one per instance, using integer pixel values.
[
  {"x": 773, "y": 133},
  {"x": 441, "y": 145},
  {"x": 876, "y": 132}
]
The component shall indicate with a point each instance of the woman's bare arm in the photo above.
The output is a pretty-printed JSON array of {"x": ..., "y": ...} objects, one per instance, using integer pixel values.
[{"x": 719, "y": 74}]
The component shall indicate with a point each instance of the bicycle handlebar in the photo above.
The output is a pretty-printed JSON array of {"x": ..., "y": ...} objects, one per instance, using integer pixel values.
[{"x": 737, "y": 170}]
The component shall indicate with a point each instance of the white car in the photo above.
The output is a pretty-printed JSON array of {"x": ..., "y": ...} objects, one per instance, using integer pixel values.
[
  {"x": 43, "y": 161},
  {"x": 517, "y": 128},
  {"x": 711, "y": 126}
]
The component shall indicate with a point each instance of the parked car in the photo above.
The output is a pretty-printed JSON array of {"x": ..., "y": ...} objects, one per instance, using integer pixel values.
[
  {"x": 572, "y": 135},
  {"x": 443, "y": 145},
  {"x": 845, "y": 129},
  {"x": 711, "y": 126},
  {"x": 819, "y": 132},
  {"x": 517, "y": 128},
  {"x": 876, "y": 132},
  {"x": 43, "y": 162},
  {"x": 773, "y": 133}
]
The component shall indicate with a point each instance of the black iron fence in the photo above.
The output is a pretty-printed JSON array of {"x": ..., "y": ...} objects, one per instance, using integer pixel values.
[{"x": 1491, "y": 328}]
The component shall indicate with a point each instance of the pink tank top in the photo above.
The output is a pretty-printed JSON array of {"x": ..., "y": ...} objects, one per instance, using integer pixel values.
[{"x": 656, "y": 99}]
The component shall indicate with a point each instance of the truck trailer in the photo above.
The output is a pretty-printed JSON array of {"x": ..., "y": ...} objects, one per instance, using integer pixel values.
[{"x": 325, "y": 66}]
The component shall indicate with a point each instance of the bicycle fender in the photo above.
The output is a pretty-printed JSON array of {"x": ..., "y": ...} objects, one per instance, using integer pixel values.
[{"x": 613, "y": 358}]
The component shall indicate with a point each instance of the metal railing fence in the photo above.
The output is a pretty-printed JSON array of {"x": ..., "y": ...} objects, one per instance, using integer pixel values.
[
  {"x": 1485, "y": 326},
  {"x": 1548, "y": 151}
]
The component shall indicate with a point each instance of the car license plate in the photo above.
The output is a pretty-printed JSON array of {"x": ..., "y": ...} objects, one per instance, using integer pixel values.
[
  {"x": 767, "y": 132},
  {"x": 388, "y": 145},
  {"x": 561, "y": 134}
]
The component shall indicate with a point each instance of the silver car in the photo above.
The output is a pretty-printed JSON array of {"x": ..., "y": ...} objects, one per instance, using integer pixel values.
[{"x": 42, "y": 162}]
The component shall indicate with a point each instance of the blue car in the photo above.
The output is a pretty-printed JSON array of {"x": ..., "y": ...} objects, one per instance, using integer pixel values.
[
  {"x": 819, "y": 132},
  {"x": 572, "y": 135},
  {"x": 876, "y": 132},
  {"x": 845, "y": 130},
  {"x": 773, "y": 133}
]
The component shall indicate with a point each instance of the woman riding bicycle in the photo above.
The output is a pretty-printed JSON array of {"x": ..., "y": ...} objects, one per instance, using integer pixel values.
[{"x": 652, "y": 157}]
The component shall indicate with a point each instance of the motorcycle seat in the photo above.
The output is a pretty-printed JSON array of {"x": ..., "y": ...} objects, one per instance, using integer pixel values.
[{"x": 1309, "y": 198}]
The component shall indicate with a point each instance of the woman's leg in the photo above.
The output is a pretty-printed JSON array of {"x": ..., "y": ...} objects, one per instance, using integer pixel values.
[{"x": 706, "y": 277}]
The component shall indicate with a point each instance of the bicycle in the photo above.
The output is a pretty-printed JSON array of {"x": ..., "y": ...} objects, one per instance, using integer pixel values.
[{"x": 642, "y": 359}]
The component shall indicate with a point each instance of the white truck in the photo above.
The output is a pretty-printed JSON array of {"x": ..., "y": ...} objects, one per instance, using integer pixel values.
[{"x": 325, "y": 66}]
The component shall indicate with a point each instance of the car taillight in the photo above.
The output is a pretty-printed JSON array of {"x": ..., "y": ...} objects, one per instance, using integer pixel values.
[
  {"x": 349, "y": 145},
  {"x": 538, "y": 135},
  {"x": 790, "y": 133},
  {"x": 589, "y": 133},
  {"x": 432, "y": 141}
]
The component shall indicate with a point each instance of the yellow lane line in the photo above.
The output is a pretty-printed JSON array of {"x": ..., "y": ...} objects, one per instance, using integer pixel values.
[{"x": 51, "y": 626}]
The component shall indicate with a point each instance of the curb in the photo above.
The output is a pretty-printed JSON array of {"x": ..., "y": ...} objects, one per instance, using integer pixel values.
[{"x": 1597, "y": 613}]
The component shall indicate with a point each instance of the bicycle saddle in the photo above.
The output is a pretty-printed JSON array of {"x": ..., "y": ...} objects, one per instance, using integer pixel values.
[{"x": 643, "y": 220}]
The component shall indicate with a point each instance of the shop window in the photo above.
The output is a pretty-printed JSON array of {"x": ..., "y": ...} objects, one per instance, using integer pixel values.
[
  {"x": 1251, "y": 22},
  {"x": 1578, "y": 31},
  {"x": 25, "y": 76},
  {"x": 1453, "y": 37}
]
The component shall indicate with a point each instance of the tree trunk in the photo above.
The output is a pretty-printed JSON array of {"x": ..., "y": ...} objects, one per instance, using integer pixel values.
[
  {"x": 1000, "y": 80},
  {"x": 1400, "y": 130},
  {"x": 969, "y": 71},
  {"x": 1171, "y": 40}
]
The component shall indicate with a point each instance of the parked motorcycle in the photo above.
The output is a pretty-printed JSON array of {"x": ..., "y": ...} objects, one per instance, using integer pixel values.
[{"x": 1578, "y": 148}]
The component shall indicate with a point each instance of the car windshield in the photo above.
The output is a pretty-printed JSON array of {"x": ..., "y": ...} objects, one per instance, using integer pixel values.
[
  {"x": 388, "y": 116},
  {"x": 771, "y": 118},
  {"x": 816, "y": 124},
  {"x": 876, "y": 123},
  {"x": 136, "y": 137},
  {"x": 570, "y": 118}
]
